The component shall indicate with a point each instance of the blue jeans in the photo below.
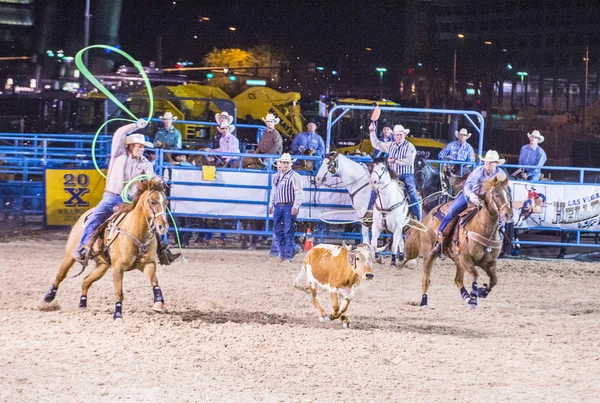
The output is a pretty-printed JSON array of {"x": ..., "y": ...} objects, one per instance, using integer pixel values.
[
  {"x": 372, "y": 200},
  {"x": 103, "y": 210},
  {"x": 534, "y": 177},
  {"x": 411, "y": 187},
  {"x": 458, "y": 206},
  {"x": 285, "y": 223}
]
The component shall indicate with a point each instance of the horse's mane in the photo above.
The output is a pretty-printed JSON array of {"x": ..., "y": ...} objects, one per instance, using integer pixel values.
[
  {"x": 490, "y": 183},
  {"x": 383, "y": 160},
  {"x": 143, "y": 186}
]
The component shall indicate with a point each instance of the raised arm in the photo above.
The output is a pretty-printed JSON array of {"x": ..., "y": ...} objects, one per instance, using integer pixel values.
[
  {"x": 118, "y": 142},
  {"x": 378, "y": 145}
]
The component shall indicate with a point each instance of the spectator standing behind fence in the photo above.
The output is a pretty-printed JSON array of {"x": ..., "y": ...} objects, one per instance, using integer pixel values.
[
  {"x": 221, "y": 118},
  {"x": 228, "y": 143},
  {"x": 532, "y": 154},
  {"x": 271, "y": 141},
  {"x": 286, "y": 197},
  {"x": 309, "y": 143},
  {"x": 458, "y": 150},
  {"x": 168, "y": 136},
  {"x": 386, "y": 137}
]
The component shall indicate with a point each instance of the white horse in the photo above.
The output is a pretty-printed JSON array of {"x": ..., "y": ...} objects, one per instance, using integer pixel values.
[
  {"x": 355, "y": 178},
  {"x": 390, "y": 210}
]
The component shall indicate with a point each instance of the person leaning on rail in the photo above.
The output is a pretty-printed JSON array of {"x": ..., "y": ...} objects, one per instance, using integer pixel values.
[
  {"x": 458, "y": 150},
  {"x": 127, "y": 162},
  {"x": 532, "y": 154}
]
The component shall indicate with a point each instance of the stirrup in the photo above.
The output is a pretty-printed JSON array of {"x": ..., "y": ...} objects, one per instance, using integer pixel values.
[
  {"x": 81, "y": 254},
  {"x": 166, "y": 257}
]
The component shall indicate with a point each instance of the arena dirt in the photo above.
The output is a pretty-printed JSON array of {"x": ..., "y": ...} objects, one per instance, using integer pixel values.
[{"x": 236, "y": 331}]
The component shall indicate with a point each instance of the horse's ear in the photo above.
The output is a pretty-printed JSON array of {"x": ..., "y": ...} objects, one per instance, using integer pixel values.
[
  {"x": 332, "y": 155},
  {"x": 500, "y": 180},
  {"x": 370, "y": 166}
]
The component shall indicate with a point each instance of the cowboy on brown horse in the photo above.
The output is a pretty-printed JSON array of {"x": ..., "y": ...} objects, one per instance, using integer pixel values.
[
  {"x": 127, "y": 161},
  {"x": 470, "y": 191}
]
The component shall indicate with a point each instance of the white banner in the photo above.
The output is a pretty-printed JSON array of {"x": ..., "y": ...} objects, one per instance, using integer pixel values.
[
  {"x": 220, "y": 207},
  {"x": 567, "y": 206}
]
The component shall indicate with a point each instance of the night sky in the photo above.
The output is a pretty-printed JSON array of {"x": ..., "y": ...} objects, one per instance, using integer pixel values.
[{"x": 331, "y": 34}]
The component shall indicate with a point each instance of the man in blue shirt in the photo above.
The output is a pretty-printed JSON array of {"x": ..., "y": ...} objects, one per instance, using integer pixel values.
[
  {"x": 309, "y": 141},
  {"x": 168, "y": 137},
  {"x": 386, "y": 136},
  {"x": 458, "y": 150},
  {"x": 472, "y": 188},
  {"x": 532, "y": 154}
]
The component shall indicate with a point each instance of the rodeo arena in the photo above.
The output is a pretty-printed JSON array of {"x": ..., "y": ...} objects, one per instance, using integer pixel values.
[{"x": 247, "y": 262}]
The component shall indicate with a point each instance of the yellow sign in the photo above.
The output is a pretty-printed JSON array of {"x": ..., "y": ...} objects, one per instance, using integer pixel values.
[{"x": 70, "y": 193}]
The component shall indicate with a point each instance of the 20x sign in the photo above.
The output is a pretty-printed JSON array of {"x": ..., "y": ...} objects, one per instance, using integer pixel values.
[{"x": 76, "y": 187}]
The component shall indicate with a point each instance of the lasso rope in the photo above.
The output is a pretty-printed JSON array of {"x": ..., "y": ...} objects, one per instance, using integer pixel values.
[{"x": 90, "y": 77}]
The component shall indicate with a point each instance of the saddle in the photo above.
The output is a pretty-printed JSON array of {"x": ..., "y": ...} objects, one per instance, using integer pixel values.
[
  {"x": 452, "y": 231},
  {"x": 101, "y": 234}
]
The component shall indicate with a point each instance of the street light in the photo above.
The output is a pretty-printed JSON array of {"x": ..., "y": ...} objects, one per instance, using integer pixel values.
[
  {"x": 460, "y": 36},
  {"x": 381, "y": 70}
]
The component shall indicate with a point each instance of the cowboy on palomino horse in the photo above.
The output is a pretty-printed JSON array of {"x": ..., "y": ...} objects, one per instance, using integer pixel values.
[
  {"x": 476, "y": 240},
  {"x": 127, "y": 161},
  {"x": 127, "y": 241},
  {"x": 401, "y": 158}
]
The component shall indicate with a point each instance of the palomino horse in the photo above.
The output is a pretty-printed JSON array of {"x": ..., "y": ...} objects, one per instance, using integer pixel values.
[
  {"x": 474, "y": 243},
  {"x": 390, "y": 210},
  {"x": 355, "y": 178},
  {"x": 130, "y": 244}
]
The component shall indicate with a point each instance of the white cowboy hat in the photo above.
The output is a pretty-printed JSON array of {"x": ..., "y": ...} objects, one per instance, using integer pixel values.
[
  {"x": 271, "y": 118},
  {"x": 137, "y": 138},
  {"x": 357, "y": 153},
  {"x": 285, "y": 157},
  {"x": 223, "y": 115},
  {"x": 492, "y": 156},
  {"x": 168, "y": 116},
  {"x": 399, "y": 129},
  {"x": 464, "y": 132},
  {"x": 536, "y": 134}
]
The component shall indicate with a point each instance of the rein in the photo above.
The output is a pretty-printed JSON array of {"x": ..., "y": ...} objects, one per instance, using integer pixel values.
[{"x": 380, "y": 207}]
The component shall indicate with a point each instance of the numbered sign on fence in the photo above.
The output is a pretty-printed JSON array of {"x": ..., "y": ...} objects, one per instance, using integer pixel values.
[{"x": 70, "y": 193}]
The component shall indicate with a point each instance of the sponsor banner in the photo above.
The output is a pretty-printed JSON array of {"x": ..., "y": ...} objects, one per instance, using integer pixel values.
[
  {"x": 232, "y": 201},
  {"x": 70, "y": 193},
  {"x": 566, "y": 206}
]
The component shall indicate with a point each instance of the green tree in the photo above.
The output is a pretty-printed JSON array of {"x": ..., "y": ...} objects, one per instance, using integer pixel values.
[{"x": 228, "y": 58}]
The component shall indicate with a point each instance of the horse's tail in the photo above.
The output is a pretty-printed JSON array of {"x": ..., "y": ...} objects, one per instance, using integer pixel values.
[{"x": 412, "y": 244}]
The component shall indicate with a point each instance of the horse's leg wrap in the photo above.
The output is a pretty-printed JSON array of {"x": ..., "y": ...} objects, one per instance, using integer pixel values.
[
  {"x": 393, "y": 260},
  {"x": 158, "y": 297},
  {"x": 424, "y": 302},
  {"x": 51, "y": 294},
  {"x": 83, "y": 302},
  {"x": 474, "y": 291},
  {"x": 118, "y": 314},
  {"x": 483, "y": 291},
  {"x": 464, "y": 294},
  {"x": 400, "y": 257}
]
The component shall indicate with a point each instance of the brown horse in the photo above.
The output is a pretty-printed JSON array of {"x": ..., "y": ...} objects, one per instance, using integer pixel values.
[
  {"x": 474, "y": 242},
  {"x": 453, "y": 180},
  {"x": 126, "y": 244}
]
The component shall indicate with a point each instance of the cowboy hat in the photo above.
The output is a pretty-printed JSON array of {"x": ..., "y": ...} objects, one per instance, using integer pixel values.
[
  {"x": 536, "y": 134},
  {"x": 285, "y": 157},
  {"x": 464, "y": 132},
  {"x": 137, "y": 138},
  {"x": 271, "y": 118},
  {"x": 399, "y": 129},
  {"x": 223, "y": 115},
  {"x": 168, "y": 116},
  {"x": 492, "y": 156},
  {"x": 357, "y": 153}
]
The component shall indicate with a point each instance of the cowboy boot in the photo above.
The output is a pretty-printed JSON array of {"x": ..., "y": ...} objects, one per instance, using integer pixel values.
[
  {"x": 165, "y": 256},
  {"x": 437, "y": 248}
]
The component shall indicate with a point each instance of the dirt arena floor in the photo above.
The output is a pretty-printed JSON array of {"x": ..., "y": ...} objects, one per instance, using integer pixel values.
[{"x": 236, "y": 331}]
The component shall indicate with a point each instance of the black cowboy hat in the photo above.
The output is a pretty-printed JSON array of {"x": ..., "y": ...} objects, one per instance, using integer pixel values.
[{"x": 312, "y": 120}]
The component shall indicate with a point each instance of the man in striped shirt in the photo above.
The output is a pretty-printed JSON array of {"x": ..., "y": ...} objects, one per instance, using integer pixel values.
[
  {"x": 401, "y": 158},
  {"x": 286, "y": 197}
]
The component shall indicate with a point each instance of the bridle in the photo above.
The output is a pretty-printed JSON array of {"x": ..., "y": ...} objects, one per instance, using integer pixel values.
[
  {"x": 152, "y": 222},
  {"x": 380, "y": 177}
]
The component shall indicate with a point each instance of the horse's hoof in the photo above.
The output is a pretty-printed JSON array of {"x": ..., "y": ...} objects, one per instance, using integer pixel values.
[
  {"x": 472, "y": 303},
  {"x": 345, "y": 325},
  {"x": 483, "y": 292},
  {"x": 119, "y": 321},
  {"x": 159, "y": 307},
  {"x": 50, "y": 295},
  {"x": 323, "y": 319}
]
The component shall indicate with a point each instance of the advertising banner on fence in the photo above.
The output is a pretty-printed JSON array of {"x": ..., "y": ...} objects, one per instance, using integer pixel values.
[
  {"x": 70, "y": 193},
  {"x": 221, "y": 197},
  {"x": 566, "y": 206}
]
